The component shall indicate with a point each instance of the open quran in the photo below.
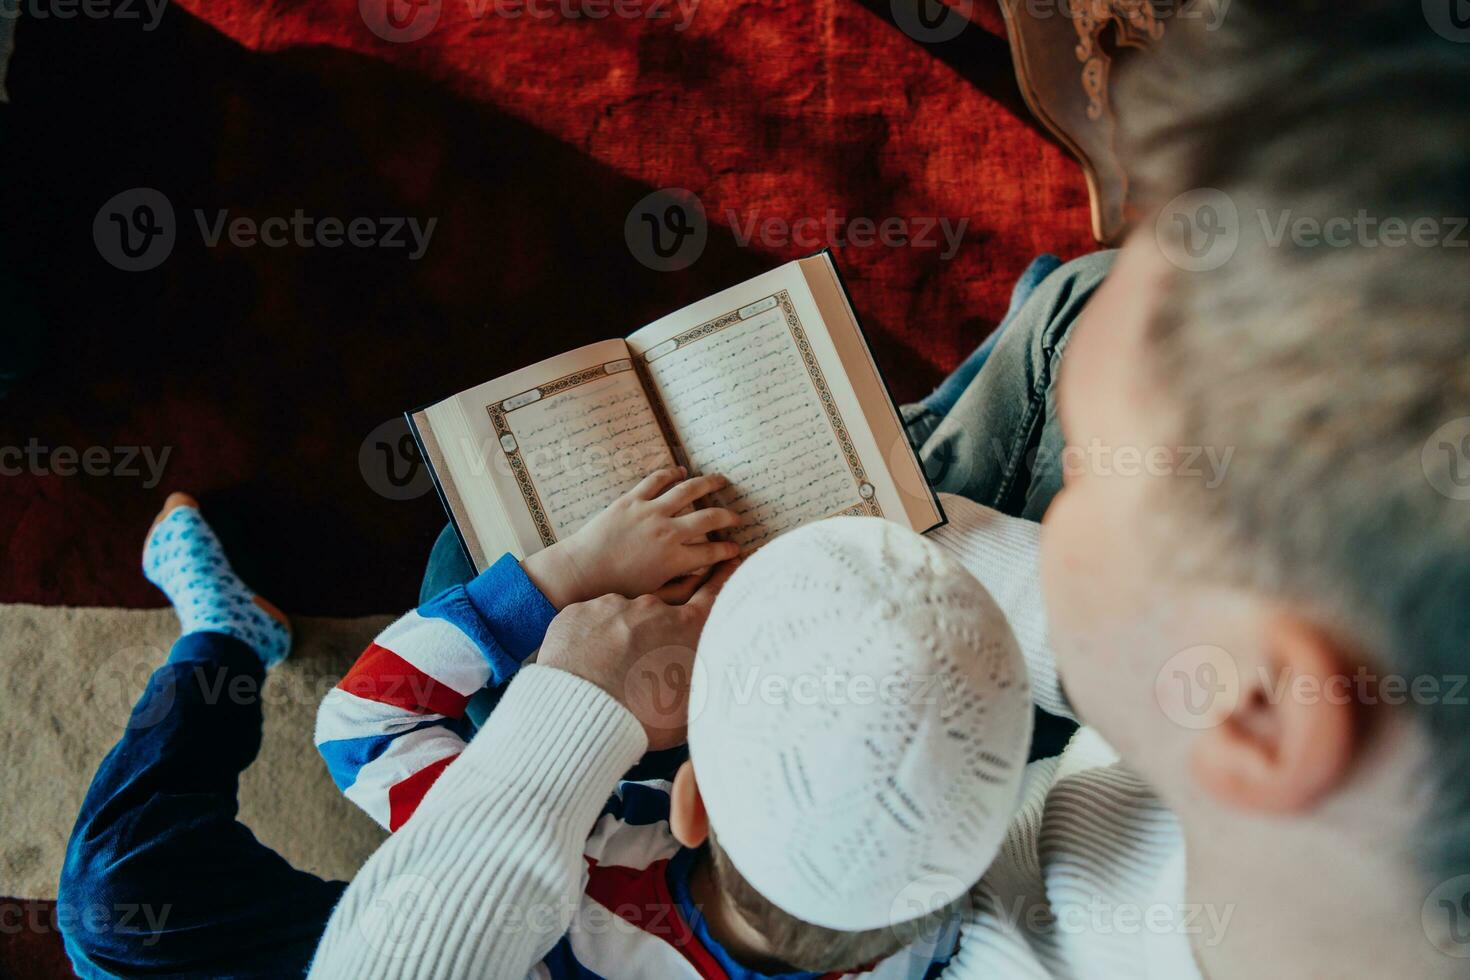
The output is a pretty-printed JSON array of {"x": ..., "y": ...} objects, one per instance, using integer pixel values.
[{"x": 769, "y": 383}]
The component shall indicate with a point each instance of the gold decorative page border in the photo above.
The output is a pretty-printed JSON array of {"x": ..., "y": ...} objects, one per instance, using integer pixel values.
[
  {"x": 868, "y": 504},
  {"x": 518, "y": 465}
]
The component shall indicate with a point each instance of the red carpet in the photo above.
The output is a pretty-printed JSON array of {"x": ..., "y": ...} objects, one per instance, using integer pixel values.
[{"x": 261, "y": 371}]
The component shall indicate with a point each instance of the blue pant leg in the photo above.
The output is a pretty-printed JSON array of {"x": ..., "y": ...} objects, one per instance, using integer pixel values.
[
  {"x": 447, "y": 566},
  {"x": 160, "y": 878}
]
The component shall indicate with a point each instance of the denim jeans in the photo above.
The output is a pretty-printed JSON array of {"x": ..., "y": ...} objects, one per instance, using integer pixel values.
[
  {"x": 943, "y": 398},
  {"x": 161, "y": 879},
  {"x": 1001, "y": 443}
]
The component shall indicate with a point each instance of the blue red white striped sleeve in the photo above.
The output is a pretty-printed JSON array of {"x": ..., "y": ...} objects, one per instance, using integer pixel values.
[{"x": 397, "y": 719}]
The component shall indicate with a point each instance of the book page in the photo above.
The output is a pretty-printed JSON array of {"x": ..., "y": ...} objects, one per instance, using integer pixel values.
[
  {"x": 551, "y": 445},
  {"x": 879, "y": 411},
  {"x": 752, "y": 388}
]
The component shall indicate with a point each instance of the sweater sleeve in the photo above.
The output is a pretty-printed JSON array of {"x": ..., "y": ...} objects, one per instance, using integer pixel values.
[
  {"x": 485, "y": 879},
  {"x": 397, "y": 719},
  {"x": 1004, "y": 553}
]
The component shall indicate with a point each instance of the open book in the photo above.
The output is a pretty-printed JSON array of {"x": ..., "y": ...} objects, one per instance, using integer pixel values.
[{"x": 769, "y": 383}]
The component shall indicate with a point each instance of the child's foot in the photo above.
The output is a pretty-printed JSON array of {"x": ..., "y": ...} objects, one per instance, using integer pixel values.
[{"x": 183, "y": 557}]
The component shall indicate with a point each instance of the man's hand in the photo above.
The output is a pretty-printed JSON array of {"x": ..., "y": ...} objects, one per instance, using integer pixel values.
[
  {"x": 640, "y": 651},
  {"x": 648, "y": 540}
]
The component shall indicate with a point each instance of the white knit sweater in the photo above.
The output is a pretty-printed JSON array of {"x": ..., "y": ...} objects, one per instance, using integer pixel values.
[{"x": 485, "y": 878}]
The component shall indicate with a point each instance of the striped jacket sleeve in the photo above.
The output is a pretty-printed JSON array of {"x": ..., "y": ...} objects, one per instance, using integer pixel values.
[{"x": 397, "y": 719}]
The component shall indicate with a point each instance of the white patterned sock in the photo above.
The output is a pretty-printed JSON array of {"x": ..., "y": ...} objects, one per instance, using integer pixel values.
[{"x": 184, "y": 558}]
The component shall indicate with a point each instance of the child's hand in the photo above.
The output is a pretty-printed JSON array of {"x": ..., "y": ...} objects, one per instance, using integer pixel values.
[{"x": 639, "y": 544}]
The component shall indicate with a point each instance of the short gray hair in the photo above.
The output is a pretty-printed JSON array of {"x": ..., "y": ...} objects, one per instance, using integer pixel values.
[{"x": 1329, "y": 369}]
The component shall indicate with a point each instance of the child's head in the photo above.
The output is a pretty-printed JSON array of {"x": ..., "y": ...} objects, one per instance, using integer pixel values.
[{"x": 859, "y": 719}]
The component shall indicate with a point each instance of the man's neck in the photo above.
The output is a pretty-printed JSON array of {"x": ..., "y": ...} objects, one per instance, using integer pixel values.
[
  {"x": 744, "y": 944},
  {"x": 1312, "y": 906},
  {"x": 1334, "y": 894}
]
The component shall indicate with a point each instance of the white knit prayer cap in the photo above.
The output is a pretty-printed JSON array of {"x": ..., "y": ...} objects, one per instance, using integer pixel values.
[{"x": 859, "y": 724}]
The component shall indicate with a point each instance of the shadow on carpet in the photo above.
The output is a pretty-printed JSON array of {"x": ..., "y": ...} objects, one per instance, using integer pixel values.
[{"x": 262, "y": 372}]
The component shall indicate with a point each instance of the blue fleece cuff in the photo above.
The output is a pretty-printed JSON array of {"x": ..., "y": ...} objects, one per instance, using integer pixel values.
[
  {"x": 514, "y": 609},
  {"x": 502, "y": 613}
]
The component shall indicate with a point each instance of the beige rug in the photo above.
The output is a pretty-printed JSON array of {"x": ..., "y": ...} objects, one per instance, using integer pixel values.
[{"x": 70, "y": 677}]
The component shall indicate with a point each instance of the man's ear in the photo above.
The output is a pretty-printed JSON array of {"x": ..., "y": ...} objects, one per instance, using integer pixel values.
[
  {"x": 1292, "y": 738},
  {"x": 687, "y": 818}
]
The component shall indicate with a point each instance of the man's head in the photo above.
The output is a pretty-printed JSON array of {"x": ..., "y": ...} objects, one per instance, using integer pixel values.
[
  {"x": 859, "y": 719},
  {"x": 1258, "y": 572}
]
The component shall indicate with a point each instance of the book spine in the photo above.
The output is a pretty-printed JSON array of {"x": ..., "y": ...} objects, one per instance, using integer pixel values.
[{"x": 428, "y": 448}]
